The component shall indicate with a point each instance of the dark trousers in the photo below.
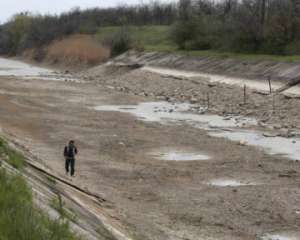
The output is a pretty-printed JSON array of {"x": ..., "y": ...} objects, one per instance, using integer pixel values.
[{"x": 70, "y": 162}]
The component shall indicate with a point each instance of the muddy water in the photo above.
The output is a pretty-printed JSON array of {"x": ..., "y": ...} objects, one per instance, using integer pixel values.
[
  {"x": 253, "y": 84},
  {"x": 165, "y": 112},
  {"x": 233, "y": 128},
  {"x": 229, "y": 183},
  {"x": 15, "y": 68},
  {"x": 288, "y": 147},
  {"x": 175, "y": 155},
  {"x": 283, "y": 236}
]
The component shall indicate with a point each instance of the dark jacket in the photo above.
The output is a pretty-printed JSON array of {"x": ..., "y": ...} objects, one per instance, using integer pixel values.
[{"x": 70, "y": 151}]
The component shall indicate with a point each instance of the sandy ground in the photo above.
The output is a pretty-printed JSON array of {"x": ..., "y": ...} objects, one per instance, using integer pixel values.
[{"x": 156, "y": 199}]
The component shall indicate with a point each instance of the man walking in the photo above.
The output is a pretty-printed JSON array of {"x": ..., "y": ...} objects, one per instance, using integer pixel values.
[{"x": 69, "y": 153}]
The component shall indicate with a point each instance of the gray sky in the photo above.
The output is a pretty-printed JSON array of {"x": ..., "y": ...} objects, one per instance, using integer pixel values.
[{"x": 10, "y": 7}]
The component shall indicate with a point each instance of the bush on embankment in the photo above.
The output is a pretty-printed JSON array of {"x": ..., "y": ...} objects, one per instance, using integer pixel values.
[{"x": 77, "y": 49}]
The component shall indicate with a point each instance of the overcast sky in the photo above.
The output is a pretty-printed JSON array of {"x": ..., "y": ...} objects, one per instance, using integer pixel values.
[{"x": 10, "y": 7}]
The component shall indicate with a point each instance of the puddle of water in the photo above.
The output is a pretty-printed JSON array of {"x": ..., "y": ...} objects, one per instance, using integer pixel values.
[
  {"x": 165, "y": 112},
  {"x": 54, "y": 77},
  {"x": 10, "y": 67},
  {"x": 180, "y": 156},
  {"x": 217, "y": 126},
  {"x": 288, "y": 147},
  {"x": 18, "y": 68},
  {"x": 278, "y": 237},
  {"x": 229, "y": 183}
]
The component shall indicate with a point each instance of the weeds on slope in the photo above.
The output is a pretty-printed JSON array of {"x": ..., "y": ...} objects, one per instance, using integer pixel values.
[
  {"x": 11, "y": 156},
  {"x": 19, "y": 218}
]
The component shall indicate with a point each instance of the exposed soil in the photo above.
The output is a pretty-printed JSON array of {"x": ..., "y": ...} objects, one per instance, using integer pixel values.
[{"x": 159, "y": 199}]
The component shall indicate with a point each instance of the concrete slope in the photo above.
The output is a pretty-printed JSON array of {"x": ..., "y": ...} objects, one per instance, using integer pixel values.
[
  {"x": 252, "y": 69},
  {"x": 258, "y": 75}
]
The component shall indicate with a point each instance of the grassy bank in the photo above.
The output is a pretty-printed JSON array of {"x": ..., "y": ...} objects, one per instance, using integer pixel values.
[
  {"x": 241, "y": 56},
  {"x": 19, "y": 219},
  {"x": 12, "y": 157},
  {"x": 157, "y": 38},
  {"x": 149, "y": 38}
]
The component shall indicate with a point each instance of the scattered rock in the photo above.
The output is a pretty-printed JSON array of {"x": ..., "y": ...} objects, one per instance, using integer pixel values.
[
  {"x": 288, "y": 174},
  {"x": 262, "y": 124},
  {"x": 160, "y": 97},
  {"x": 242, "y": 143},
  {"x": 144, "y": 94},
  {"x": 211, "y": 85},
  {"x": 285, "y": 175},
  {"x": 287, "y": 133},
  {"x": 277, "y": 126},
  {"x": 227, "y": 118},
  {"x": 268, "y": 134},
  {"x": 193, "y": 100}
]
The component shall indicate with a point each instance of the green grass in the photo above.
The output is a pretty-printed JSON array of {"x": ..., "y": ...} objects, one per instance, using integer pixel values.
[
  {"x": 19, "y": 219},
  {"x": 151, "y": 38},
  {"x": 157, "y": 38},
  {"x": 58, "y": 204},
  {"x": 242, "y": 56},
  {"x": 14, "y": 158},
  {"x": 51, "y": 180}
]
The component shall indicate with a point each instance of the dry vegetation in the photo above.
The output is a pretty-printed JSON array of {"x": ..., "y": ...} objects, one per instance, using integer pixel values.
[{"x": 77, "y": 49}]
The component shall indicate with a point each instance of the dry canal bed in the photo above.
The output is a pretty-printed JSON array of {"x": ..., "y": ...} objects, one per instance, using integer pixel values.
[{"x": 244, "y": 189}]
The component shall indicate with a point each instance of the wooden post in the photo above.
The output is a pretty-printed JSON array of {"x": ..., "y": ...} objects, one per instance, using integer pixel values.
[
  {"x": 208, "y": 101},
  {"x": 273, "y": 102},
  {"x": 270, "y": 84},
  {"x": 245, "y": 94}
]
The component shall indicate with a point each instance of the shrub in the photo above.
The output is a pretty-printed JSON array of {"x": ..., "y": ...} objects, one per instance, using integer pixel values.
[
  {"x": 183, "y": 32},
  {"x": 293, "y": 48},
  {"x": 119, "y": 41},
  {"x": 78, "y": 49}
]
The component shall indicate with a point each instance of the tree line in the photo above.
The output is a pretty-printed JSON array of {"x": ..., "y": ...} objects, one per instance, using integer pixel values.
[
  {"x": 26, "y": 30},
  {"x": 254, "y": 26}
]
